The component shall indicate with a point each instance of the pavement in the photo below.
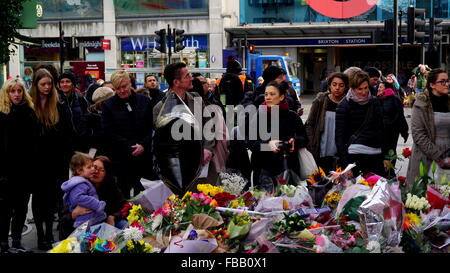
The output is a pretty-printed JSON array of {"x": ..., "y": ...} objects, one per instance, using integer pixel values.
[{"x": 29, "y": 237}]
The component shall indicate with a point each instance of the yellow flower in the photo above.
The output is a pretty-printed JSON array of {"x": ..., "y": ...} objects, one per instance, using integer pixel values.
[
  {"x": 130, "y": 245},
  {"x": 363, "y": 182},
  {"x": 187, "y": 195},
  {"x": 413, "y": 218},
  {"x": 234, "y": 204},
  {"x": 209, "y": 189},
  {"x": 148, "y": 248},
  {"x": 172, "y": 197}
]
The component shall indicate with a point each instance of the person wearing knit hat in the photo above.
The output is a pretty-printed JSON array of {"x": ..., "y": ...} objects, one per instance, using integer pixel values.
[
  {"x": 271, "y": 73},
  {"x": 92, "y": 121},
  {"x": 77, "y": 105},
  {"x": 101, "y": 94}
]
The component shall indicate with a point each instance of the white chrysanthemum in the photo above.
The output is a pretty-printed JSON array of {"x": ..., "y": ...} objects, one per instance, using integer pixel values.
[
  {"x": 232, "y": 183},
  {"x": 445, "y": 190},
  {"x": 373, "y": 247},
  {"x": 157, "y": 221},
  {"x": 133, "y": 233}
]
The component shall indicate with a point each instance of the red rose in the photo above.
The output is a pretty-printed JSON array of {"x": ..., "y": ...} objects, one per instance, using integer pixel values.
[
  {"x": 402, "y": 180},
  {"x": 406, "y": 153},
  {"x": 281, "y": 181}
]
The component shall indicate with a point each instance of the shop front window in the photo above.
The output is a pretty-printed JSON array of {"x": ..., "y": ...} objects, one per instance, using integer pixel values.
[
  {"x": 72, "y": 9},
  {"x": 285, "y": 11}
]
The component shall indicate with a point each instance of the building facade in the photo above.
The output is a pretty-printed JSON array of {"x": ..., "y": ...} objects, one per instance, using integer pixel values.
[
  {"x": 113, "y": 34},
  {"x": 321, "y": 43}
]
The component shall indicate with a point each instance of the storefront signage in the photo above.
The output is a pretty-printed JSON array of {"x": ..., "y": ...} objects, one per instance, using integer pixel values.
[
  {"x": 312, "y": 42},
  {"x": 342, "y": 9},
  {"x": 88, "y": 44},
  {"x": 106, "y": 44},
  {"x": 199, "y": 42}
]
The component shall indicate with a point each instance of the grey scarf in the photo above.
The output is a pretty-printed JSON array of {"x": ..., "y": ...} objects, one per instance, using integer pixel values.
[{"x": 352, "y": 96}]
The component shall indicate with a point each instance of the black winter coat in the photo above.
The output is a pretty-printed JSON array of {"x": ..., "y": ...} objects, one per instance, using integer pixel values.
[
  {"x": 291, "y": 126},
  {"x": 76, "y": 107},
  {"x": 55, "y": 148},
  {"x": 91, "y": 131},
  {"x": 231, "y": 86},
  {"x": 350, "y": 116},
  {"x": 394, "y": 121},
  {"x": 18, "y": 133},
  {"x": 124, "y": 128}
]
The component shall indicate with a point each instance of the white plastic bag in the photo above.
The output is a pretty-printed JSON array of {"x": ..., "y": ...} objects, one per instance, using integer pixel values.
[{"x": 307, "y": 163}]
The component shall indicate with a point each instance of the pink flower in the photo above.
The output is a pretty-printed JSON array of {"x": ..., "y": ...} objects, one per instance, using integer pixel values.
[
  {"x": 352, "y": 240},
  {"x": 160, "y": 211},
  {"x": 202, "y": 196},
  {"x": 206, "y": 201},
  {"x": 194, "y": 196},
  {"x": 320, "y": 241}
]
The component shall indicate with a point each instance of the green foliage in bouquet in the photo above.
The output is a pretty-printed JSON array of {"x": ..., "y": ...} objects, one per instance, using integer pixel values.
[
  {"x": 420, "y": 185},
  {"x": 290, "y": 224},
  {"x": 350, "y": 209}
]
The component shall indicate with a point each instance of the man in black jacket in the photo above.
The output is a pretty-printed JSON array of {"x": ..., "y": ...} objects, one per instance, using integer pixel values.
[
  {"x": 127, "y": 123},
  {"x": 76, "y": 106},
  {"x": 151, "y": 89}
]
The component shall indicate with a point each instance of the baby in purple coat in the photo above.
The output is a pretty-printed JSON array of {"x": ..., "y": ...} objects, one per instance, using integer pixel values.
[{"x": 79, "y": 191}]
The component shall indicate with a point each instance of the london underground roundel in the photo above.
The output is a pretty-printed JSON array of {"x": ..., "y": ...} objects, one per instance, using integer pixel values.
[{"x": 342, "y": 9}]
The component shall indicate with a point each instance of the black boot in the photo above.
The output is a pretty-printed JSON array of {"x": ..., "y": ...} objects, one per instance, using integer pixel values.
[
  {"x": 4, "y": 247},
  {"x": 17, "y": 247}
]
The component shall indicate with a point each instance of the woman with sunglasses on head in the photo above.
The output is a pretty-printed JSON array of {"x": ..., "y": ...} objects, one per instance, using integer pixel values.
[
  {"x": 18, "y": 124},
  {"x": 430, "y": 127}
]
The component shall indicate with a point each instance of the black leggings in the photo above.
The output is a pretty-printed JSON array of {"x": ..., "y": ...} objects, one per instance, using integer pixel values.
[
  {"x": 13, "y": 212},
  {"x": 44, "y": 206}
]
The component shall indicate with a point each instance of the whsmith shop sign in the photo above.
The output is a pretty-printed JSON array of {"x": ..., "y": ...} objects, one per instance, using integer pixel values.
[{"x": 199, "y": 42}]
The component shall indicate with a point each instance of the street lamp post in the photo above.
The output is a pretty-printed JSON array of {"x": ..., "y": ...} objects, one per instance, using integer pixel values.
[{"x": 395, "y": 40}]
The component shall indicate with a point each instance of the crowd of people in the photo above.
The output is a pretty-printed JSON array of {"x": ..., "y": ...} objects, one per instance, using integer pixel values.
[{"x": 84, "y": 154}]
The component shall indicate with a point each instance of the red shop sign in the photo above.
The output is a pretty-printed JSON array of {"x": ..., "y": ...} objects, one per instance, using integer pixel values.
[{"x": 106, "y": 44}]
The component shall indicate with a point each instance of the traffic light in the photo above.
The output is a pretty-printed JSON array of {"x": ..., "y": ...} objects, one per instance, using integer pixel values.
[
  {"x": 251, "y": 48},
  {"x": 388, "y": 32},
  {"x": 178, "y": 39},
  {"x": 435, "y": 31},
  {"x": 416, "y": 24},
  {"x": 161, "y": 39}
]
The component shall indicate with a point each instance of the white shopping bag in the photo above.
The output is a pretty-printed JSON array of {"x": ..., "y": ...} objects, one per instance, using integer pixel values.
[
  {"x": 307, "y": 163},
  {"x": 153, "y": 197}
]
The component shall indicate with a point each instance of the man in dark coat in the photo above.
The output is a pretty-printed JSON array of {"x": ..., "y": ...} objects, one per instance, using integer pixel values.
[
  {"x": 127, "y": 123},
  {"x": 179, "y": 161},
  {"x": 374, "y": 76},
  {"x": 76, "y": 104},
  {"x": 151, "y": 89}
]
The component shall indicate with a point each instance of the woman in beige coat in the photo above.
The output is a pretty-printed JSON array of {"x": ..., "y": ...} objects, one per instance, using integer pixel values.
[{"x": 430, "y": 126}]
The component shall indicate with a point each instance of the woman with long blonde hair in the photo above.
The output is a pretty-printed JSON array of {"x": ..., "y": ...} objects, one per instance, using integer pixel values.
[
  {"x": 54, "y": 146},
  {"x": 18, "y": 124}
]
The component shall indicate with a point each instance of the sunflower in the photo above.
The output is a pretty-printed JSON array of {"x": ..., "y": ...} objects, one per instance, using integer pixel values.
[{"x": 317, "y": 176}]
